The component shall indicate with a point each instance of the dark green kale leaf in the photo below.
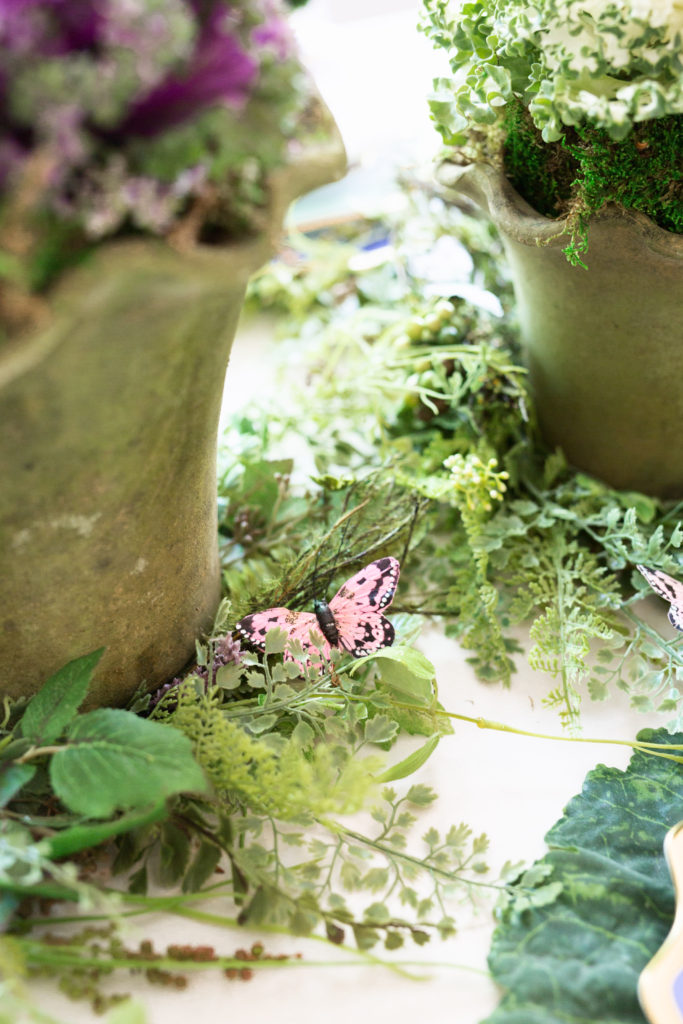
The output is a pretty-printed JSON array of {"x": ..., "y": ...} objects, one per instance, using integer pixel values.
[{"x": 578, "y": 958}]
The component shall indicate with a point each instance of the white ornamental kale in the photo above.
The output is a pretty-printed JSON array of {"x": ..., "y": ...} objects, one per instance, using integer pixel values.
[{"x": 606, "y": 63}]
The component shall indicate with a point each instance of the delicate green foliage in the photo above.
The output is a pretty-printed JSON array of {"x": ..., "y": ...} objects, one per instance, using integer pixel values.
[
  {"x": 408, "y": 674},
  {"x": 56, "y": 703},
  {"x": 553, "y": 547},
  {"x": 114, "y": 760},
  {"x": 380, "y": 865},
  {"x": 336, "y": 530},
  {"x": 610, "y": 910},
  {"x": 416, "y": 438},
  {"x": 277, "y": 776}
]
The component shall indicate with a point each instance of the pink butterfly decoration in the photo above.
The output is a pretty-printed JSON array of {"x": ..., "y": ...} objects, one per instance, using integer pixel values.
[
  {"x": 351, "y": 622},
  {"x": 670, "y": 589}
]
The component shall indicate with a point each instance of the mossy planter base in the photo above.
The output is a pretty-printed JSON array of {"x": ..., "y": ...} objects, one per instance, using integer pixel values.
[
  {"x": 603, "y": 346},
  {"x": 108, "y": 456}
]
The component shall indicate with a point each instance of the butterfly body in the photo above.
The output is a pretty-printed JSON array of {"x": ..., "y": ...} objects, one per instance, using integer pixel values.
[
  {"x": 668, "y": 588},
  {"x": 327, "y": 622},
  {"x": 352, "y": 621}
]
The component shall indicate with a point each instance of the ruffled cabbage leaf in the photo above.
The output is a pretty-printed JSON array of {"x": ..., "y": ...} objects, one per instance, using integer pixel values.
[{"x": 578, "y": 958}]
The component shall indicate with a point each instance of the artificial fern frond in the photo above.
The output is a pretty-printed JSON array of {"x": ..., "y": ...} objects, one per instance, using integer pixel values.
[{"x": 278, "y": 777}]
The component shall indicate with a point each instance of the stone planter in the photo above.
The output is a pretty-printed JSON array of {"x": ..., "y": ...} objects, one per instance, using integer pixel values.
[
  {"x": 108, "y": 422},
  {"x": 603, "y": 346}
]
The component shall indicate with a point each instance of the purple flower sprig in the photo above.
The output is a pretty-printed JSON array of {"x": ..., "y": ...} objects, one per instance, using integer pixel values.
[{"x": 226, "y": 651}]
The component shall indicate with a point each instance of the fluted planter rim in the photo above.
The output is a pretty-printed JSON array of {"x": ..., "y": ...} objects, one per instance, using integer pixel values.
[{"x": 488, "y": 186}]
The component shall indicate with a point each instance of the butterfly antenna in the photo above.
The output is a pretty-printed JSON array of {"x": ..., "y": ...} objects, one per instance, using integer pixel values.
[
  {"x": 345, "y": 523},
  {"x": 343, "y": 519},
  {"x": 406, "y": 547}
]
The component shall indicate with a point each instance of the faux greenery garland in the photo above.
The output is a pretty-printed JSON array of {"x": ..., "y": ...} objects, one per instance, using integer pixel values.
[{"x": 511, "y": 533}]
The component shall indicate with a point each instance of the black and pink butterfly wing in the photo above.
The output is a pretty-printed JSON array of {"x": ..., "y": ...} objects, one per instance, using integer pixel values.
[
  {"x": 357, "y": 608},
  {"x": 668, "y": 588},
  {"x": 297, "y": 625}
]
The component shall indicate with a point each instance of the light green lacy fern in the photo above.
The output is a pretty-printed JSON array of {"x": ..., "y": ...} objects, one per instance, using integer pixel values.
[{"x": 279, "y": 777}]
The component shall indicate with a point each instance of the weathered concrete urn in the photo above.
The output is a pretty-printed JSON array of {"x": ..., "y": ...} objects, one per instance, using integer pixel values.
[
  {"x": 603, "y": 345},
  {"x": 108, "y": 422}
]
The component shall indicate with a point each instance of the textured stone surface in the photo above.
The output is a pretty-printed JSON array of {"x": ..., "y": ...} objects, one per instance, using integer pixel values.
[{"x": 108, "y": 420}]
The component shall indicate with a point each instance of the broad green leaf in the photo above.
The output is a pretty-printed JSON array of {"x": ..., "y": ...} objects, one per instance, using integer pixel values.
[
  {"x": 410, "y": 763},
  {"x": 419, "y": 719},
  {"x": 174, "y": 854},
  {"x": 202, "y": 867},
  {"x": 578, "y": 957},
  {"x": 416, "y": 662},
  {"x": 56, "y": 704},
  {"x": 407, "y": 673},
  {"x": 117, "y": 761},
  {"x": 12, "y": 778}
]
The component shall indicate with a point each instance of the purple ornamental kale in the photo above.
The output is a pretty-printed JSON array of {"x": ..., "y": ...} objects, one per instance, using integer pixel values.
[
  {"x": 86, "y": 78},
  {"x": 220, "y": 71},
  {"x": 273, "y": 33},
  {"x": 49, "y": 27}
]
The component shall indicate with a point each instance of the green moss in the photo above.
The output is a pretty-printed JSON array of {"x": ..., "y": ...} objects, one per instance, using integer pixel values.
[
  {"x": 532, "y": 165},
  {"x": 587, "y": 168}
]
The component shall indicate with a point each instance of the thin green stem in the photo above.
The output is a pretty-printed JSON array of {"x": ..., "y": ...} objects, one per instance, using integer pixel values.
[
  {"x": 40, "y": 954},
  {"x": 485, "y": 723},
  {"x": 38, "y": 752}
]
